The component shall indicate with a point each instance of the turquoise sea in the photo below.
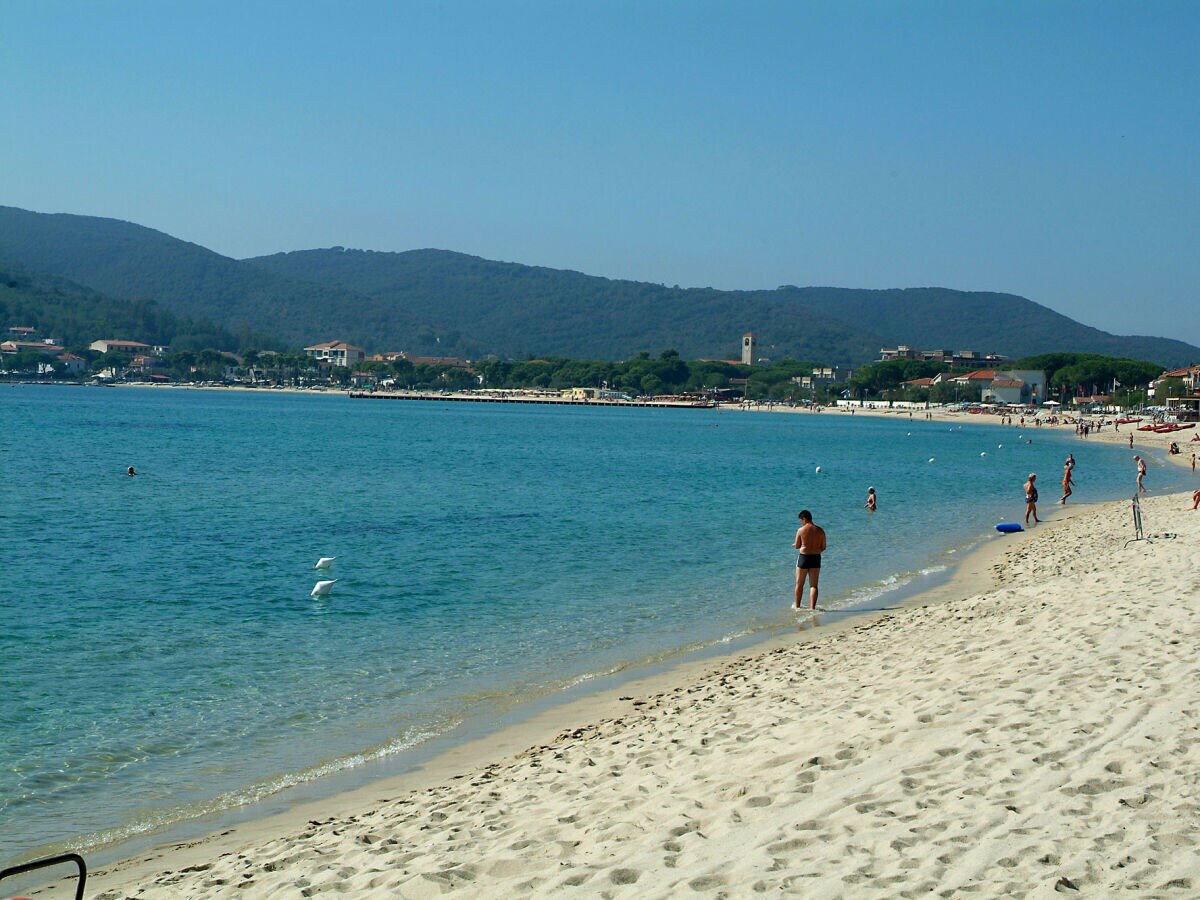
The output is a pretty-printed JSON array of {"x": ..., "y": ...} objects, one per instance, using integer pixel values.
[{"x": 161, "y": 657}]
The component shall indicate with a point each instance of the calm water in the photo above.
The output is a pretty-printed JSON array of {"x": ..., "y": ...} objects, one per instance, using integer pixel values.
[{"x": 161, "y": 657}]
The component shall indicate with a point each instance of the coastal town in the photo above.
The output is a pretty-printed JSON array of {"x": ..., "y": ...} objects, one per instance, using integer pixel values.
[{"x": 961, "y": 378}]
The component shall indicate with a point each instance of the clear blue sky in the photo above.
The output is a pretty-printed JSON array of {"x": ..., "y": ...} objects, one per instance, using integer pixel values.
[{"x": 1049, "y": 149}]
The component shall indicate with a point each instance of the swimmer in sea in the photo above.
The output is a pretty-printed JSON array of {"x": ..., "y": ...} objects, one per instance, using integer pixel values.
[
  {"x": 870, "y": 504},
  {"x": 130, "y": 472}
]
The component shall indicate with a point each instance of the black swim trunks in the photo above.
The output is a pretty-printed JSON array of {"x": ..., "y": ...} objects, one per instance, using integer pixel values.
[{"x": 808, "y": 561}]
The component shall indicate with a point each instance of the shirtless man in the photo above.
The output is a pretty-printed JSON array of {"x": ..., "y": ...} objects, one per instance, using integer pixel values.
[{"x": 810, "y": 541}]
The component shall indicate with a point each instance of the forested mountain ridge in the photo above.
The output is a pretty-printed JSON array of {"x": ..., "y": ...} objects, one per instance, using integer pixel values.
[
  {"x": 438, "y": 302},
  {"x": 534, "y": 310},
  {"x": 527, "y": 308},
  {"x": 1008, "y": 324},
  {"x": 131, "y": 262},
  {"x": 76, "y": 315}
]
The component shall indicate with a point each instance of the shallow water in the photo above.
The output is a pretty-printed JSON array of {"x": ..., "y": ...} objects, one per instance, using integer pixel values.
[{"x": 161, "y": 656}]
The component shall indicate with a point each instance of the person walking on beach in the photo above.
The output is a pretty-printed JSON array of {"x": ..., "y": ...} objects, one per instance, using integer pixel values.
[
  {"x": 1141, "y": 466},
  {"x": 1067, "y": 469},
  {"x": 810, "y": 541},
  {"x": 1031, "y": 499},
  {"x": 870, "y": 504}
]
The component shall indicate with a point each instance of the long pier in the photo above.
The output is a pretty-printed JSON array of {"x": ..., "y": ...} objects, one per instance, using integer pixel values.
[{"x": 543, "y": 401}]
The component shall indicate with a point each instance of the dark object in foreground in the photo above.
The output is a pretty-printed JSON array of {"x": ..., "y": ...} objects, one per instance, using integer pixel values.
[{"x": 75, "y": 858}]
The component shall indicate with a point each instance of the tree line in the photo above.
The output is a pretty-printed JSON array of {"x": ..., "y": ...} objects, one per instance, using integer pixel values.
[{"x": 666, "y": 373}]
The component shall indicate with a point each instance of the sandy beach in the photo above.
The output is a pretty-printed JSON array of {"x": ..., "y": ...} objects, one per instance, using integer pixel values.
[{"x": 1032, "y": 728}]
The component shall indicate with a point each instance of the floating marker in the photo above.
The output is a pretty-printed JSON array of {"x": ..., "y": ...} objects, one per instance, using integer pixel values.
[
  {"x": 999, "y": 446},
  {"x": 818, "y": 470},
  {"x": 984, "y": 453},
  {"x": 932, "y": 458}
]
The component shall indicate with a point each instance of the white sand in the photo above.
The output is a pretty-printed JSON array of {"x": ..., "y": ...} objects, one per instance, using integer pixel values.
[{"x": 1040, "y": 735}]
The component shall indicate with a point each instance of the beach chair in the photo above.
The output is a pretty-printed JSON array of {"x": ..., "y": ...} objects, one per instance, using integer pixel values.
[
  {"x": 75, "y": 858},
  {"x": 1139, "y": 534}
]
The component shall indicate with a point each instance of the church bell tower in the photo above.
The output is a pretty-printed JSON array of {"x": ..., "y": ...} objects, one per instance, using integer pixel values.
[{"x": 748, "y": 348}]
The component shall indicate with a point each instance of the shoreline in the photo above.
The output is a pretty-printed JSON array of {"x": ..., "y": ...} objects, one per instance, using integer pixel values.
[
  {"x": 672, "y": 670},
  {"x": 473, "y": 740},
  {"x": 708, "y": 653},
  {"x": 1020, "y": 729},
  {"x": 539, "y": 729}
]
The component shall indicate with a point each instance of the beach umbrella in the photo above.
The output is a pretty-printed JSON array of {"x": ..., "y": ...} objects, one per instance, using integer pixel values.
[{"x": 1051, "y": 403}]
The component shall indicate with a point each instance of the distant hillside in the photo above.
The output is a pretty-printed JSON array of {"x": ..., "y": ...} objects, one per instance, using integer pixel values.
[
  {"x": 77, "y": 316},
  {"x": 130, "y": 262},
  {"x": 524, "y": 308},
  {"x": 990, "y": 322},
  {"x": 532, "y": 310},
  {"x": 436, "y": 302}
]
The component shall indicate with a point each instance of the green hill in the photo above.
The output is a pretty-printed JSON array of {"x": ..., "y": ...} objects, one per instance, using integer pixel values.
[
  {"x": 532, "y": 310},
  {"x": 131, "y": 262},
  {"x": 990, "y": 322},
  {"x": 538, "y": 310},
  {"x": 77, "y": 315},
  {"x": 436, "y": 302}
]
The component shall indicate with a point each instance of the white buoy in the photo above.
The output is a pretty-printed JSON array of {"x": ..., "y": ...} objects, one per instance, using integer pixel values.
[
  {"x": 818, "y": 470},
  {"x": 984, "y": 453},
  {"x": 321, "y": 588},
  {"x": 999, "y": 446},
  {"x": 324, "y": 562},
  {"x": 933, "y": 459}
]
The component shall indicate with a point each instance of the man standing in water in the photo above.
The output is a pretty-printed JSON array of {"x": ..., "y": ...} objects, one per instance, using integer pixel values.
[
  {"x": 1031, "y": 499},
  {"x": 810, "y": 541}
]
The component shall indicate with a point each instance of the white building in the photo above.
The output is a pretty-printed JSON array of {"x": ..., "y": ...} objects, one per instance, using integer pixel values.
[
  {"x": 130, "y": 347},
  {"x": 336, "y": 353},
  {"x": 1026, "y": 386}
]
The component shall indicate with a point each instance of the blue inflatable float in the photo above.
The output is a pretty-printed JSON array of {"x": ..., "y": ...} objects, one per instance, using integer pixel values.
[{"x": 1008, "y": 527}]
